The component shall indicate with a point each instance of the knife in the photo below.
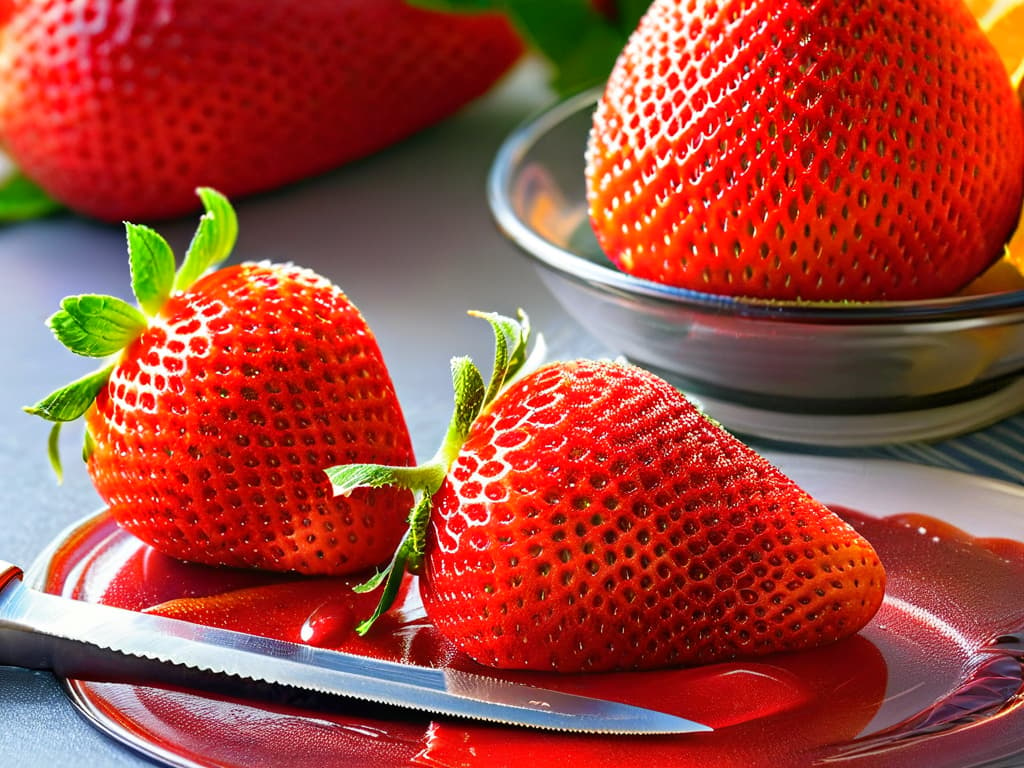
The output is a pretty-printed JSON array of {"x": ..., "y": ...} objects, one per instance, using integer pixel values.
[{"x": 95, "y": 642}]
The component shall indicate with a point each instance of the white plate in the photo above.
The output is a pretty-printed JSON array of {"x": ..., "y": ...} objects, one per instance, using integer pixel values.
[{"x": 980, "y": 507}]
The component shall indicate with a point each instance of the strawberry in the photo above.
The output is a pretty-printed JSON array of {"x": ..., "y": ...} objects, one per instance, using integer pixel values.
[
  {"x": 804, "y": 149},
  {"x": 220, "y": 401},
  {"x": 588, "y": 517},
  {"x": 119, "y": 110}
]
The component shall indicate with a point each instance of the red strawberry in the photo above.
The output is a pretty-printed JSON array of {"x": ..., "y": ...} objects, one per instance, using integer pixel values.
[
  {"x": 119, "y": 110},
  {"x": 220, "y": 403},
  {"x": 807, "y": 149},
  {"x": 591, "y": 519}
]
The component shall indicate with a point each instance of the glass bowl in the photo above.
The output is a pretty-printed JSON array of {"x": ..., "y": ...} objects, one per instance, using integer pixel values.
[{"x": 830, "y": 373}]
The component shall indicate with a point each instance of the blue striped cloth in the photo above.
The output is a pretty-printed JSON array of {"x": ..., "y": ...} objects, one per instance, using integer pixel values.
[{"x": 996, "y": 451}]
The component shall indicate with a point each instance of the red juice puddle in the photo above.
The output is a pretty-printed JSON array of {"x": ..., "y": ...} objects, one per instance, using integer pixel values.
[
  {"x": 993, "y": 684},
  {"x": 936, "y": 676}
]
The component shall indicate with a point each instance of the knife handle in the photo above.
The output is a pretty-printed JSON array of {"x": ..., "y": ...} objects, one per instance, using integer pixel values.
[{"x": 8, "y": 573}]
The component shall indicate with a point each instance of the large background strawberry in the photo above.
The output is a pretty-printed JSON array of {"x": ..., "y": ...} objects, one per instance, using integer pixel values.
[
  {"x": 221, "y": 399},
  {"x": 587, "y": 517},
  {"x": 121, "y": 109},
  {"x": 816, "y": 150}
]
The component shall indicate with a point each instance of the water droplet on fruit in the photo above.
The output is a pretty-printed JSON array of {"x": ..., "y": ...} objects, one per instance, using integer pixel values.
[{"x": 329, "y": 625}]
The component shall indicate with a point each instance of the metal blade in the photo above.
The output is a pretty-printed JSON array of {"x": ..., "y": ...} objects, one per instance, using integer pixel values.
[{"x": 101, "y": 643}]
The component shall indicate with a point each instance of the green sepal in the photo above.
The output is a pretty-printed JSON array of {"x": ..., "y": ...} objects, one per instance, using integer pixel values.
[
  {"x": 213, "y": 241},
  {"x": 22, "y": 199},
  {"x": 419, "y": 519},
  {"x": 471, "y": 397},
  {"x": 53, "y": 451},
  {"x": 408, "y": 558},
  {"x": 71, "y": 401},
  {"x": 346, "y": 478},
  {"x": 88, "y": 446},
  {"x": 152, "y": 267},
  {"x": 102, "y": 326},
  {"x": 468, "y": 384},
  {"x": 391, "y": 577},
  {"x": 96, "y": 326},
  {"x": 374, "y": 581},
  {"x": 511, "y": 339}
]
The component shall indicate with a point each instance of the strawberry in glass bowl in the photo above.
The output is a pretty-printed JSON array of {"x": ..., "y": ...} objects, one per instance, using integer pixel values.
[{"x": 800, "y": 213}]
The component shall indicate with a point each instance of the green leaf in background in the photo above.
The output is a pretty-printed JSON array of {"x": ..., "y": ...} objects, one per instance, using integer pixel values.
[
  {"x": 96, "y": 326},
  {"x": 152, "y": 266},
  {"x": 629, "y": 13},
  {"x": 213, "y": 240},
  {"x": 21, "y": 199},
  {"x": 579, "y": 42}
]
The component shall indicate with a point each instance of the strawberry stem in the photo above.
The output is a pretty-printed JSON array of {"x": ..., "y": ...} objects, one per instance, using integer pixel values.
[{"x": 511, "y": 340}]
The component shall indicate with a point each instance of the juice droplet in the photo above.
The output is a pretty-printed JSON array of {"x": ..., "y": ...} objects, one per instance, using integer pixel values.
[{"x": 330, "y": 625}]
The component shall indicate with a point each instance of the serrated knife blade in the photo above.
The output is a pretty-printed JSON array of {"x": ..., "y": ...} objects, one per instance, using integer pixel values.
[{"x": 94, "y": 642}]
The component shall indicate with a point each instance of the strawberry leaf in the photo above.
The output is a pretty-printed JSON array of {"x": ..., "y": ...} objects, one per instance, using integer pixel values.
[
  {"x": 152, "y": 267},
  {"x": 21, "y": 199},
  {"x": 213, "y": 240},
  {"x": 96, "y": 326},
  {"x": 71, "y": 401}
]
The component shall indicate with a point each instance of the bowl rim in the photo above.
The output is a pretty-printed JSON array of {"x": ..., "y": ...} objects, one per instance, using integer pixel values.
[{"x": 607, "y": 279}]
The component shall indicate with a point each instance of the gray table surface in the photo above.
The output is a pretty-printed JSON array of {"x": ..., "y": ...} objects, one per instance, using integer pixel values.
[{"x": 406, "y": 233}]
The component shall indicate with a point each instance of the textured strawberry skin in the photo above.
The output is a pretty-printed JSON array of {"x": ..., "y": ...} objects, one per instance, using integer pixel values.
[
  {"x": 212, "y": 433},
  {"x": 807, "y": 149},
  {"x": 120, "y": 110},
  {"x": 594, "y": 520}
]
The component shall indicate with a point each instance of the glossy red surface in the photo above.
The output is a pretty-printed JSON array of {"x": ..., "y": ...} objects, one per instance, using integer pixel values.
[{"x": 936, "y": 677}]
